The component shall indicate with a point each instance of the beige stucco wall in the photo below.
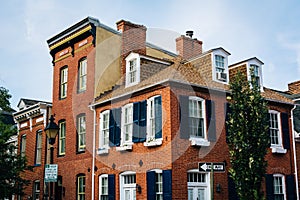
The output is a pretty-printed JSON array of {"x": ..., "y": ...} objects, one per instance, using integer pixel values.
[{"x": 107, "y": 63}]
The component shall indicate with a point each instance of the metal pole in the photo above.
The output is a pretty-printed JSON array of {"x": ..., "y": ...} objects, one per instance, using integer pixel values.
[
  {"x": 51, "y": 162},
  {"x": 212, "y": 181}
]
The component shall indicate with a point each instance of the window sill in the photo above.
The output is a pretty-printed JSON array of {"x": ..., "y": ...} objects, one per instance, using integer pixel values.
[
  {"x": 125, "y": 147},
  {"x": 101, "y": 151},
  {"x": 278, "y": 150},
  {"x": 199, "y": 142},
  {"x": 153, "y": 142}
]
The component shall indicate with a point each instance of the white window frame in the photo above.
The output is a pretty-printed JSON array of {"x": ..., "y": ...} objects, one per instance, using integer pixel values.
[
  {"x": 38, "y": 151},
  {"x": 151, "y": 115},
  {"x": 36, "y": 189},
  {"x": 104, "y": 142},
  {"x": 124, "y": 186},
  {"x": 277, "y": 148},
  {"x": 198, "y": 140},
  {"x": 222, "y": 53},
  {"x": 101, "y": 186},
  {"x": 23, "y": 145},
  {"x": 197, "y": 185},
  {"x": 131, "y": 57},
  {"x": 259, "y": 64},
  {"x": 127, "y": 121},
  {"x": 82, "y": 75},
  {"x": 63, "y": 82},
  {"x": 283, "y": 187},
  {"x": 62, "y": 137},
  {"x": 81, "y": 123}
]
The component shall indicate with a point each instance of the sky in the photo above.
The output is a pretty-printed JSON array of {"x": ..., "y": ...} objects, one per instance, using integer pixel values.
[{"x": 266, "y": 29}]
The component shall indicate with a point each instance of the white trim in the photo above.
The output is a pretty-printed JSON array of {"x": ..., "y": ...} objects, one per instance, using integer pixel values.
[
  {"x": 130, "y": 115},
  {"x": 123, "y": 186},
  {"x": 283, "y": 183},
  {"x": 277, "y": 148},
  {"x": 203, "y": 106},
  {"x": 294, "y": 150},
  {"x": 198, "y": 185},
  {"x": 219, "y": 52},
  {"x": 100, "y": 184},
  {"x": 256, "y": 62},
  {"x": 130, "y": 57},
  {"x": 101, "y": 138}
]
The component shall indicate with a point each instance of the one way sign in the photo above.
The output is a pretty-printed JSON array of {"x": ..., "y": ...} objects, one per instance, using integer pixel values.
[{"x": 206, "y": 167}]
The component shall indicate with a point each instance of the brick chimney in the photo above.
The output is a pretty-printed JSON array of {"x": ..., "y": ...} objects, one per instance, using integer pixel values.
[
  {"x": 294, "y": 88},
  {"x": 187, "y": 47},
  {"x": 133, "y": 39}
]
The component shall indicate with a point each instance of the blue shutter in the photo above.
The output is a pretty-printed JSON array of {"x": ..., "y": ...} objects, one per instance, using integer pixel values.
[
  {"x": 211, "y": 120},
  {"x": 111, "y": 187},
  {"x": 114, "y": 127},
  {"x": 118, "y": 127},
  {"x": 167, "y": 184},
  {"x": 111, "y": 128},
  {"x": 184, "y": 117},
  {"x": 151, "y": 184},
  {"x": 139, "y": 121},
  {"x": 285, "y": 130},
  {"x": 136, "y": 117},
  {"x": 232, "y": 194},
  {"x": 158, "y": 117},
  {"x": 269, "y": 187},
  {"x": 143, "y": 121},
  {"x": 290, "y": 187},
  {"x": 227, "y": 111}
]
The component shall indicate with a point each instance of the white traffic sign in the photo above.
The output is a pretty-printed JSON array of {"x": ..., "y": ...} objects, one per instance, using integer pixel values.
[
  {"x": 51, "y": 172},
  {"x": 206, "y": 167}
]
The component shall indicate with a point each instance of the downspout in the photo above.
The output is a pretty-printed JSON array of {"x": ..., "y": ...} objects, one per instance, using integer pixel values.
[
  {"x": 294, "y": 149},
  {"x": 93, "y": 161}
]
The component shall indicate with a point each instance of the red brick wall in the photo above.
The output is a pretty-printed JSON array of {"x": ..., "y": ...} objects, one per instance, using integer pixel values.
[
  {"x": 73, "y": 163},
  {"x": 38, "y": 170},
  {"x": 188, "y": 47}
]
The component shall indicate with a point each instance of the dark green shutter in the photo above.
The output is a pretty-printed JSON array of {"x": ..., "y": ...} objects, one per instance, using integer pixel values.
[
  {"x": 114, "y": 127},
  {"x": 111, "y": 187},
  {"x": 151, "y": 184},
  {"x": 285, "y": 130},
  {"x": 158, "y": 117},
  {"x": 290, "y": 187},
  {"x": 167, "y": 184},
  {"x": 227, "y": 111},
  {"x": 232, "y": 194},
  {"x": 211, "y": 120},
  {"x": 184, "y": 117},
  {"x": 269, "y": 187}
]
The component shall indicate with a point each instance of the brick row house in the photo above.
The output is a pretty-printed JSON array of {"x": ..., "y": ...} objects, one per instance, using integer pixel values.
[
  {"x": 31, "y": 119},
  {"x": 136, "y": 120}
]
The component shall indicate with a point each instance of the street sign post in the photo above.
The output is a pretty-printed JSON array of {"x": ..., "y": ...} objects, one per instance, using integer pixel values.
[
  {"x": 51, "y": 173},
  {"x": 207, "y": 167}
]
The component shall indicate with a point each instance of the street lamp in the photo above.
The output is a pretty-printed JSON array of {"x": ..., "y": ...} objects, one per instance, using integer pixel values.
[{"x": 51, "y": 131}]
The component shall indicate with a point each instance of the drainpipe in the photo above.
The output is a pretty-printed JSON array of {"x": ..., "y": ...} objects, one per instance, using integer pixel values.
[
  {"x": 94, "y": 144},
  {"x": 294, "y": 149}
]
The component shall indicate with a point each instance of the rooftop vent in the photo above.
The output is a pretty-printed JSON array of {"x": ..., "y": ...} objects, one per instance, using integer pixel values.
[{"x": 189, "y": 33}]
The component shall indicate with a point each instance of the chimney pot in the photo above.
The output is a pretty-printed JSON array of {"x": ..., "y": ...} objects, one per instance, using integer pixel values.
[{"x": 189, "y": 33}]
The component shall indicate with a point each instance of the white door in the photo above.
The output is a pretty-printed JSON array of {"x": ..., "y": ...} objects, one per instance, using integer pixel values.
[
  {"x": 197, "y": 193},
  {"x": 130, "y": 193}
]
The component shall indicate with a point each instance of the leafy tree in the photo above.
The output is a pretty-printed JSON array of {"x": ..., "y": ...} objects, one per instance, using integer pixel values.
[
  {"x": 11, "y": 164},
  {"x": 248, "y": 137}
]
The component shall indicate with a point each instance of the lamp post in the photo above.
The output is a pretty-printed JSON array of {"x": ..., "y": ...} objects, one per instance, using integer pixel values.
[{"x": 51, "y": 131}]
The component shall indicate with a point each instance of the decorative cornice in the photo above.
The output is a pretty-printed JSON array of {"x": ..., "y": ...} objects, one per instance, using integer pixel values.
[{"x": 89, "y": 27}]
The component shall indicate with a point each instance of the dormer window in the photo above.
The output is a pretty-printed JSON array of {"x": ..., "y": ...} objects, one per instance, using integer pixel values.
[
  {"x": 256, "y": 74},
  {"x": 220, "y": 65},
  {"x": 132, "y": 69}
]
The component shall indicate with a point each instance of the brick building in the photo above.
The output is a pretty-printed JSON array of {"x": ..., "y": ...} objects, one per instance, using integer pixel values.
[
  {"x": 31, "y": 120},
  {"x": 136, "y": 120}
]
